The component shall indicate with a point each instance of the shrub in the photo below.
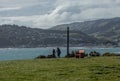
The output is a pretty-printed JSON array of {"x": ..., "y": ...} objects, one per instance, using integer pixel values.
[
  {"x": 70, "y": 55},
  {"x": 110, "y": 54},
  {"x": 41, "y": 56},
  {"x": 50, "y": 56},
  {"x": 94, "y": 53}
]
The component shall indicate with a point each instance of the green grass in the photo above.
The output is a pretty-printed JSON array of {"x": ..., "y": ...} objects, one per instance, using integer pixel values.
[{"x": 64, "y": 69}]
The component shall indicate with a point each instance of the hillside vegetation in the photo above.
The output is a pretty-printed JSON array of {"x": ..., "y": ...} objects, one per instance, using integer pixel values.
[
  {"x": 101, "y": 32},
  {"x": 94, "y": 26},
  {"x": 105, "y": 29},
  {"x": 64, "y": 69},
  {"x": 22, "y": 36}
]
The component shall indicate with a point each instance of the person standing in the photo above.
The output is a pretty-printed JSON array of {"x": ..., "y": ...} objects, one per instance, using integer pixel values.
[
  {"x": 53, "y": 53},
  {"x": 58, "y": 52}
]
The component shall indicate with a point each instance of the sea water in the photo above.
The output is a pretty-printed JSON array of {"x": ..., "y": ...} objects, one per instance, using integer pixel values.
[{"x": 31, "y": 53}]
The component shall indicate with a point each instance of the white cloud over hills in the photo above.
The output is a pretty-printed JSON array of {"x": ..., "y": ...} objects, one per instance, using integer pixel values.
[{"x": 47, "y": 13}]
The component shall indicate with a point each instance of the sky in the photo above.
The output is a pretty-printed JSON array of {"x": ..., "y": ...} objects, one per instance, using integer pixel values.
[{"x": 47, "y": 13}]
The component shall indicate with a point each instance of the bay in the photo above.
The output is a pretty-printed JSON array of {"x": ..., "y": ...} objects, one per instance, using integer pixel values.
[{"x": 31, "y": 53}]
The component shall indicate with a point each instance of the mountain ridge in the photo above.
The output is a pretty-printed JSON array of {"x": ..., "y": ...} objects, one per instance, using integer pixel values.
[
  {"x": 21, "y": 36},
  {"x": 108, "y": 29},
  {"x": 87, "y": 24},
  {"x": 90, "y": 33}
]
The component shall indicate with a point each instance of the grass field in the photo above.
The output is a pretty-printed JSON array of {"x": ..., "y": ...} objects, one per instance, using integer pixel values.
[{"x": 63, "y": 69}]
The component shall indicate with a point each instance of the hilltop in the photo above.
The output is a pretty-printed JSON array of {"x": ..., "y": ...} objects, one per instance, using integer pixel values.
[
  {"x": 22, "y": 36},
  {"x": 108, "y": 29},
  {"x": 103, "y": 32}
]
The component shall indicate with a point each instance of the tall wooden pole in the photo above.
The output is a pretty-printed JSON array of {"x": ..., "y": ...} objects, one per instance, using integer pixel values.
[{"x": 67, "y": 40}]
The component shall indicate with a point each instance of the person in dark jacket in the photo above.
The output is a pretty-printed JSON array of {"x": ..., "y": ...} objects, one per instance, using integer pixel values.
[{"x": 58, "y": 52}]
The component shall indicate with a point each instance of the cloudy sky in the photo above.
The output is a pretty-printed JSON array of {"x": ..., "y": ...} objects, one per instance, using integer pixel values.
[{"x": 48, "y": 13}]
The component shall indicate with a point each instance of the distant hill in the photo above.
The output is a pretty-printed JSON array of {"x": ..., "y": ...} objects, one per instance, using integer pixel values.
[
  {"x": 21, "y": 36},
  {"x": 90, "y": 27},
  {"x": 108, "y": 29}
]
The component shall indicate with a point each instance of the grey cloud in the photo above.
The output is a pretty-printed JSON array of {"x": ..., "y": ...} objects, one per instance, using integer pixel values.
[
  {"x": 27, "y": 11},
  {"x": 47, "y": 13},
  {"x": 28, "y": 7},
  {"x": 91, "y": 9},
  {"x": 13, "y": 3},
  {"x": 9, "y": 9}
]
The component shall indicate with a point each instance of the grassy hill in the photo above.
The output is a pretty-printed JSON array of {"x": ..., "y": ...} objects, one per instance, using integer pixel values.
[
  {"x": 104, "y": 29},
  {"x": 64, "y": 69},
  {"x": 93, "y": 27},
  {"x": 21, "y": 36}
]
